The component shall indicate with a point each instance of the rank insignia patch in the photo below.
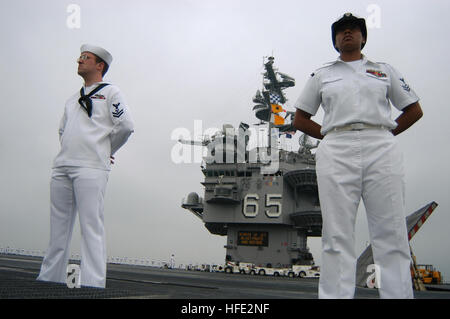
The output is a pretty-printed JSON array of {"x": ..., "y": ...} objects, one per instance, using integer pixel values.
[
  {"x": 118, "y": 112},
  {"x": 376, "y": 73},
  {"x": 404, "y": 85}
]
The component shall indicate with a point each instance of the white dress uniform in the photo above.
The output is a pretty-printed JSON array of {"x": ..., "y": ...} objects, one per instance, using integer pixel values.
[
  {"x": 359, "y": 158},
  {"x": 78, "y": 183}
]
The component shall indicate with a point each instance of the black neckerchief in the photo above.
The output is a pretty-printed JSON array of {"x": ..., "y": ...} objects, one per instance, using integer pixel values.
[{"x": 87, "y": 98}]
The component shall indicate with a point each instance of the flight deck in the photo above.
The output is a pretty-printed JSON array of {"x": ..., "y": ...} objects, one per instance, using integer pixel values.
[{"x": 18, "y": 281}]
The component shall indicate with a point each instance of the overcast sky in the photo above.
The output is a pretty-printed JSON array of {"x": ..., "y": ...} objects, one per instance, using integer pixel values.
[{"x": 179, "y": 61}]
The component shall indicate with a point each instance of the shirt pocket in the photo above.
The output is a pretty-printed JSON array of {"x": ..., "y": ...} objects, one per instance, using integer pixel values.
[
  {"x": 331, "y": 80},
  {"x": 376, "y": 85},
  {"x": 331, "y": 90}
]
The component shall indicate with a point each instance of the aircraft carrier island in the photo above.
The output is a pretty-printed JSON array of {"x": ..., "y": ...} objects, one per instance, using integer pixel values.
[{"x": 265, "y": 200}]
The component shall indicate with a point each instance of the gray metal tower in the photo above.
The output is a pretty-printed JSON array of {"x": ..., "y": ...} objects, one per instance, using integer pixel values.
[{"x": 265, "y": 200}]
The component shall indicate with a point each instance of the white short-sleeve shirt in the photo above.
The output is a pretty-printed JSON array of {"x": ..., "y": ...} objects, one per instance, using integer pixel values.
[{"x": 359, "y": 93}]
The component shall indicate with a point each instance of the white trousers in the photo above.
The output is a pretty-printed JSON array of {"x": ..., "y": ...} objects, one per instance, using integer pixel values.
[
  {"x": 363, "y": 164},
  {"x": 72, "y": 190}
]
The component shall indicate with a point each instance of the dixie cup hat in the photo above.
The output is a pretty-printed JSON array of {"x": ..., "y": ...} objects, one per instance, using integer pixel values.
[
  {"x": 344, "y": 20},
  {"x": 98, "y": 51}
]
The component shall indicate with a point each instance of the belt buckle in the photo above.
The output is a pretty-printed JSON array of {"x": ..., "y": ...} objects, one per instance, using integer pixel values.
[{"x": 357, "y": 126}]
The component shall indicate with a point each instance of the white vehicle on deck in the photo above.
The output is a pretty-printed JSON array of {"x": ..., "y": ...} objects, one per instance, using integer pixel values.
[
  {"x": 217, "y": 268},
  {"x": 270, "y": 271},
  {"x": 238, "y": 267},
  {"x": 231, "y": 267},
  {"x": 304, "y": 271},
  {"x": 246, "y": 268}
]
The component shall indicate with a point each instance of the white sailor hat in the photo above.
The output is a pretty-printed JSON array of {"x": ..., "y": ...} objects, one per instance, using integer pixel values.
[{"x": 98, "y": 51}]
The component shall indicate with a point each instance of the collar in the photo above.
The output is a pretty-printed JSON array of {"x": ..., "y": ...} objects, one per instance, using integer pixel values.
[
  {"x": 364, "y": 59},
  {"x": 86, "y": 88}
]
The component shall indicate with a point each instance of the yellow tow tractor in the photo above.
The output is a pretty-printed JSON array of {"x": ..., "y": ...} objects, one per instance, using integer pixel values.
[{"x": 429, "y": 274}]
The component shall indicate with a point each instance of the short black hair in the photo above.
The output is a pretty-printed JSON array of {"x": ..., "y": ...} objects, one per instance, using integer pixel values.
[{"x": 105, "y": 65}]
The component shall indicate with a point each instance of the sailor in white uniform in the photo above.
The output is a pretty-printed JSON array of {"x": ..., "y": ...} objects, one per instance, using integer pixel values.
[
  {"x": 96, "y": 123},
  {"x": 359, "y": 158}
]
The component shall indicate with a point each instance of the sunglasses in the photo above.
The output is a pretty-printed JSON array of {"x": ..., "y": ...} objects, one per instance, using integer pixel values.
[{"x": 83, "y": 57}]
